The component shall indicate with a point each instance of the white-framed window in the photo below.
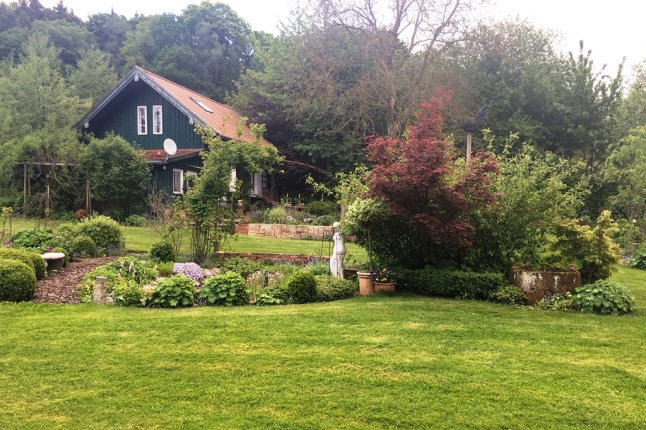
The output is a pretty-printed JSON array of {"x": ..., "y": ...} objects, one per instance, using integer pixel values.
[
  {"x": 142, "y": 120},
  {"x": 158, "y": 127},
  {"x": 178, "y": 181}
]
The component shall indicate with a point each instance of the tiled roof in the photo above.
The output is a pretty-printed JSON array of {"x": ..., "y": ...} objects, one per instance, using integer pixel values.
[
  {"x": 221, "y": 118},
  {"x": 153, "y": 155}
]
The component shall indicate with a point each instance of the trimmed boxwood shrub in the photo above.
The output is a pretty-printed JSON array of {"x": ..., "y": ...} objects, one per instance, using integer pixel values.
[
  {"x": 40, "y": 267},
  {"x": 84, "y": 246},
  {"x": 162, "y": 251},
  {"x": 228, "y": 289},
  {"x": 17, "y": 254},
  {"x": 105, "y": 232},
  {"x": 301, "y": 287},
  {"x": 450, "y": 283},
  {"x": 17, "y": 281},
  {"x": 604, "y": 298},
  {"x": 329, "y": 288}
]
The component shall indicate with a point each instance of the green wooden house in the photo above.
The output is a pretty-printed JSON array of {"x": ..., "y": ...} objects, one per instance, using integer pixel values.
[{"x": 159, "y": 117}]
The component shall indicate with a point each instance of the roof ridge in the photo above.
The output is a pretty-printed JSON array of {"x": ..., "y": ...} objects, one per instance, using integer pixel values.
[{"x": 188, "y": 89}]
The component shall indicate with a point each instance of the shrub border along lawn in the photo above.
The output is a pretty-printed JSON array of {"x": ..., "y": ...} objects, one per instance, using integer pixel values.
[{"x": 385, "y": 362}]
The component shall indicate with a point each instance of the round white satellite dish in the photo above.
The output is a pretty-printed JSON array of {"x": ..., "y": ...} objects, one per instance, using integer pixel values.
[{"x": 170, "y": 147}]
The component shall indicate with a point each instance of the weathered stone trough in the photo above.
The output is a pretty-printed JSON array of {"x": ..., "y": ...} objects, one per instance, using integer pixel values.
[{"x": 541, "y": 283}]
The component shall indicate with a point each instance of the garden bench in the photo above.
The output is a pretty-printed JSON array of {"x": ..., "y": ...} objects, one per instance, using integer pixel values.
[{"x": 54, "y": 260}]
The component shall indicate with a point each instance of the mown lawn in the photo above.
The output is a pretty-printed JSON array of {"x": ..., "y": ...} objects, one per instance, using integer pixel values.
[
  {"x": 388, "y": 362},
  {"x": 140, "y": 239}
]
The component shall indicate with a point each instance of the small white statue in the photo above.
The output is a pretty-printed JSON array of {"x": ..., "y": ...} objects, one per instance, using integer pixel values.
[{"x": 338, "y": 253}]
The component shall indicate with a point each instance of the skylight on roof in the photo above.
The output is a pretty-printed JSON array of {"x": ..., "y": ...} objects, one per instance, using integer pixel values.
[{"x": 202, "y": 105}]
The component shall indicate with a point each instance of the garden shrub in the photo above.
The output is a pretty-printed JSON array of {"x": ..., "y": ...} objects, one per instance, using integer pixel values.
[
  {"x": 36, "y": 238},
  {"x": 557, "y": 302},
  {"x": 63, "y": 237},
  {"x": 329, "y": 288},
  {"x": 127, "y": 293},
  {"x": 638, "y": 261},
  {"x": 318, "y": 269},
  {"x": 228, "y": 289},
  {"x": 243, "y": 266},
  {"x": 125, "y": 268},
  {"x": 177, "y": 291},
  {"x": 603, "y": 297},
  {"x": 190, "y": 270},
  {"x": 163, "y": 251},
  {"x": 326, "y": 220},
  {"x": 40, "y": 267},
  {"x": 83, "y": 247},
  {"x": 509, "y": 294},
  {"x": 17, "y": 281},
  {"x": 105, "y": 232},
  {"x": 66, "y": 259},
  {"x": 277, "y": 215},
  {"x": 18, "y": 254},
  {"x": 450, "y": 283},
  {"x": 135, "y": 220},
  {"x": 301, "y": 287},
  {"x": 321, "y": 208}
]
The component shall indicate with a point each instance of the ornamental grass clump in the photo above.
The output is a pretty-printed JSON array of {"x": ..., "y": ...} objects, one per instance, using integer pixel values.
[{"x": 190, "y": 270}]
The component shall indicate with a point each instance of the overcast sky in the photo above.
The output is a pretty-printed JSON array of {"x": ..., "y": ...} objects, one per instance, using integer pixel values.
[{"x": 611, "y": 29}]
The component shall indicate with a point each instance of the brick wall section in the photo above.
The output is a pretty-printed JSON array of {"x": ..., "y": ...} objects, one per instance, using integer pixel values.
[{"x": 284, "y": 231}]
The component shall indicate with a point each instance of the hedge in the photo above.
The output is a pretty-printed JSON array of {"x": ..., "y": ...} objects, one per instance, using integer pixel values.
[{"x": 449, "y": 283}]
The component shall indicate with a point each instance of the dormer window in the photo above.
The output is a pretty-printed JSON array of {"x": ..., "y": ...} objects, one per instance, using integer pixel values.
[
  {"x": 157, "y": 120},
  {"x": 142, "y": 120}
]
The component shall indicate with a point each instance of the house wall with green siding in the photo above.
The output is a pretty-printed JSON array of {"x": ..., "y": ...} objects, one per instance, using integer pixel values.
[
  {"x": 120, "y": 117},
  {"x": 162, "y": 176}
]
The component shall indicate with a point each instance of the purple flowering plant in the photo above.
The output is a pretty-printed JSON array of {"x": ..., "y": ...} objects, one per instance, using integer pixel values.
[
  {"x": 383, "y": 275},
  {"x": 190, "y": 270}
]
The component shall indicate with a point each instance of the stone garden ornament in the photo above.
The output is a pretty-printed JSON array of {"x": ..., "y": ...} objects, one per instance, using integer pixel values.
[{"x": 338, "y": 253}]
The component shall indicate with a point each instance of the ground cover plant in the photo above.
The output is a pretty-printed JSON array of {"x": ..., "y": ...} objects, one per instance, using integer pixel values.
[{"x": 386, "y": 362}]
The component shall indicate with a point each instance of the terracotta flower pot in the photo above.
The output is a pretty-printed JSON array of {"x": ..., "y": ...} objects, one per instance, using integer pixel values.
[
  {"x": 366, "y": 284},
  {"x": 384, "y": 287}
]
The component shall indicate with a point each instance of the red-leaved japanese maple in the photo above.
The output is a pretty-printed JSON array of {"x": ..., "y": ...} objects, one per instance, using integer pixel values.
[{"x": 423, "y": 183}]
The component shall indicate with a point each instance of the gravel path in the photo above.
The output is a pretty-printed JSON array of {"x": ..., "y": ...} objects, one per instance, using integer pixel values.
[{"x": 61, "y": 287}]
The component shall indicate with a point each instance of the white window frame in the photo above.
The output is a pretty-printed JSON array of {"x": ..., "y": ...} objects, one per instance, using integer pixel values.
[
  {"x": 181, "y": 181},
  {"x": 142, "y": 113},
  {"x": 158, "y": 119}
]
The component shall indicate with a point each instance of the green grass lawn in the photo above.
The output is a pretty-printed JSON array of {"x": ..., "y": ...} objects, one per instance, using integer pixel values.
[
  {"x": 387, "y": 362},
  {"x": 140, "y": 239}
]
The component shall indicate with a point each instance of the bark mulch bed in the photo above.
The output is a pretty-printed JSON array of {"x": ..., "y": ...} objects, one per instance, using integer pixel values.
[{"x": 61, "y": 287}]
